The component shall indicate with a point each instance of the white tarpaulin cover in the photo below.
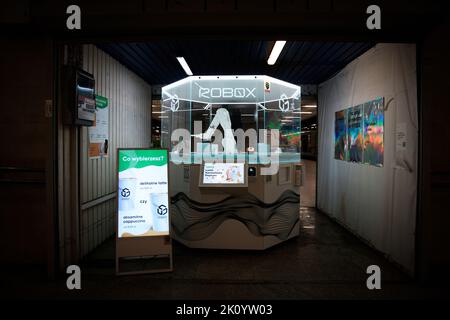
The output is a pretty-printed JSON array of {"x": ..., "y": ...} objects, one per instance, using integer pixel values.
[{"x": 377, "y": 203}]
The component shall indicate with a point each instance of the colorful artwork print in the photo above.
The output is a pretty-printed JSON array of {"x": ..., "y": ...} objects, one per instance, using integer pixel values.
[
  {"x": 355, "y": 134},
  {"x": 340, "y": 135},
  {"x": 374, "y": 132}
]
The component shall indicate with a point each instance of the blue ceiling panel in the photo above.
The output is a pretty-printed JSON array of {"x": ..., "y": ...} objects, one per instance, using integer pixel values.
[{"x": 300, "y": 62}]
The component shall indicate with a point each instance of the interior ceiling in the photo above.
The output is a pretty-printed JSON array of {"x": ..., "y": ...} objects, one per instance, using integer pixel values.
[{"x": 299, "y": 62}]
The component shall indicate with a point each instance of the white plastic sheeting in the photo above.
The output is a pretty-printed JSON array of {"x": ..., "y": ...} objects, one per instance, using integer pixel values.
[{"x": 378, "y": 204}]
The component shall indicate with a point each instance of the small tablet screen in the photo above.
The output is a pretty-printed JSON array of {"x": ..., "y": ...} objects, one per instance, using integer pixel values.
[{"x": 224, "y": 174}]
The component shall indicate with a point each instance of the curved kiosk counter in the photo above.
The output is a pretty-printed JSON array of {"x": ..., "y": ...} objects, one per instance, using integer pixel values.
[{"x": 235, "y": 160}]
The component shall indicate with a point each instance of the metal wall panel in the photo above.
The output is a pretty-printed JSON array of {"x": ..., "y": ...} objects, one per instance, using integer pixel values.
[{"x": 129, "y": 99}]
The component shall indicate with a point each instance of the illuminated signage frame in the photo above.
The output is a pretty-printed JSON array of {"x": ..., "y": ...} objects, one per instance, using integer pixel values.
[{"x": 139, "y": 247}]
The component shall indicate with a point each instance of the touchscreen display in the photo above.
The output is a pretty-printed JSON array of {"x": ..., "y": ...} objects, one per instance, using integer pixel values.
[{"x": 223, "y": 173}]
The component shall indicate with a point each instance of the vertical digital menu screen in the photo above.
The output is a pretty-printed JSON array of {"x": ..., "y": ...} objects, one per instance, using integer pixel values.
[{"x": 143, "y": 193}]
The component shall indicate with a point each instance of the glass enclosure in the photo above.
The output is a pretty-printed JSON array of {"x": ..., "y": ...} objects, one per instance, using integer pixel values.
[{"x": 214, "y": 107}]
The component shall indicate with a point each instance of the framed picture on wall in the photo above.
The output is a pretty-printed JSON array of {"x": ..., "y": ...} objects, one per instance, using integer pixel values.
[
  {"x": 355, "y": 134},
  {"x": 374, "y": 132},
  {"x": 340, "y": 135}
]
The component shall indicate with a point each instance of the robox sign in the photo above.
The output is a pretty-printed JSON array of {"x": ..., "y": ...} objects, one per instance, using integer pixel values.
[
  {"x": 226, "y": 93},
  {"x": 143, "y": 197},
  {"x": 229, "y": 90}
]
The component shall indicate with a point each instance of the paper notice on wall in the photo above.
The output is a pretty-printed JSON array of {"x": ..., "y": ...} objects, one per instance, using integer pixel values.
[
  {"x": 400, "y": 137},
  {"x": 401, "y": 143},
  {"x": 99, "y": 133}
]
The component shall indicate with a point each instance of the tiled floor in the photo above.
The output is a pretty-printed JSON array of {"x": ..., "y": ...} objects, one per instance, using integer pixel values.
[
  {"x": 308, "y": 189},
  {"x": 324, "y": 262}
]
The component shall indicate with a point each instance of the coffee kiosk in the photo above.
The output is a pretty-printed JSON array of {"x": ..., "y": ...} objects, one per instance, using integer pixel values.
[{"x": 234, "y": 160}]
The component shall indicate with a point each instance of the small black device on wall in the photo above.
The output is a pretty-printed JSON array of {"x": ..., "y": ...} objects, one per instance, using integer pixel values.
[
  {"x": 252, "y": 171},
  {"x": 78, "y": 96}
]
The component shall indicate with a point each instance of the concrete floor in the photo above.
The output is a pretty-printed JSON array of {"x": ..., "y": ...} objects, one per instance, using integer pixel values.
[{"x": 324, "y": 262}]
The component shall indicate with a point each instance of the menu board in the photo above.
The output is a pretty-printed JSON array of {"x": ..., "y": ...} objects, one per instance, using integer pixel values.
[{"x": 143, "y": 197}]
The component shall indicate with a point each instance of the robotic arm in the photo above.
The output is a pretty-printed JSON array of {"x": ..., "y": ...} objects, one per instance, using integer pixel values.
[{"x": 222, "y": 118}]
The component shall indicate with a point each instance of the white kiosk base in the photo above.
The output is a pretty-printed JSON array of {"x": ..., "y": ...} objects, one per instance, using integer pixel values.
[{"x": 256, "y": 217}]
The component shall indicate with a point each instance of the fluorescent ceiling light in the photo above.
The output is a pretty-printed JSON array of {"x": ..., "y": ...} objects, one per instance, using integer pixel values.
[
  {"x": 309, "y": 106},
  {"x": 302, "y": 112},
  {"x": 276, "y": 50},
  {"x": 158, "y": 112},
  {"x": 185, "y": 66}
]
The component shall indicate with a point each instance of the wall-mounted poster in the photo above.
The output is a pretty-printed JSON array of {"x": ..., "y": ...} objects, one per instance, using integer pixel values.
[
  {"x": 340, "y": 135},
  {"x": 355, "y": 133},
  {"x": 373, "y": 132},
  {"x": 99, "y": 132}
]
